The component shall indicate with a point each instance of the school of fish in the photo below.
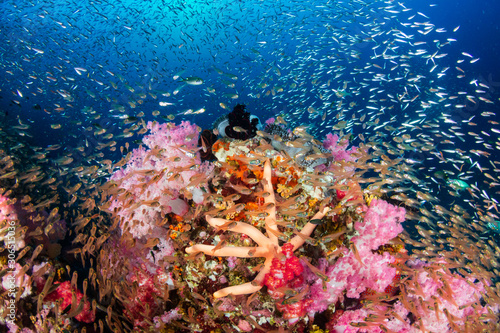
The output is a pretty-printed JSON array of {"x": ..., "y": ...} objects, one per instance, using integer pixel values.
[{"x": 86, "y": 80}]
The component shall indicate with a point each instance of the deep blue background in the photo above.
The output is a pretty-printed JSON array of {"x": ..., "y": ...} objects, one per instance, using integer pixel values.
[
  {"x": 479, "y": 32},
  {"x": 263, "y": 43}
]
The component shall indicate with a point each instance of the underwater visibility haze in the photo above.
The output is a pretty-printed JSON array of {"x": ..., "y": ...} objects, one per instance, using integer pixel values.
[{"x": 249, "y": 166}]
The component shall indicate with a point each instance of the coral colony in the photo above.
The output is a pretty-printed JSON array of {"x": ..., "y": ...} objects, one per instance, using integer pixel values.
[{"x": 280, "y": 232}]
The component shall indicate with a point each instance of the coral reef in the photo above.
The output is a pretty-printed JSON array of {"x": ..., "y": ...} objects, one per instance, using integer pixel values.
[{"x": 280, "y": 232}]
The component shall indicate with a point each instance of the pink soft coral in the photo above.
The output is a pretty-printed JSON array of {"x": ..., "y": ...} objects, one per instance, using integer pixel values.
[
  {"x": 8, "y": 222},
  {"x": 144, "y": 268},
  {"x": 458, "y": 296},
  {"x": 354, "y": 321},
  {"x": 14, "y": 218},
  {"x": 159, "y": 177},
  {"x": 355, "y": 274},
  {"x": 166, "y": 318},
  {"x": 145, "y": 303},
  {"x": 17, "y": 279},
  {"x": 434, "y": 300},
  {"x": 339, "y": 149},
  {"x": 382, "y": 223}
]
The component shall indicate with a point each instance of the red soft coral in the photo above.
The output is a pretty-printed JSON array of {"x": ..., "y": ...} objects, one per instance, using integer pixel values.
[
  {"x": 285, "y": 279},
  {"x": 64, "y": 293}
]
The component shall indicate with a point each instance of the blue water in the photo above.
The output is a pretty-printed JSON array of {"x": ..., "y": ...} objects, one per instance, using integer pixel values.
[
  {"x": 147, "y": 43},
  {"x": 479, "y": 28}
]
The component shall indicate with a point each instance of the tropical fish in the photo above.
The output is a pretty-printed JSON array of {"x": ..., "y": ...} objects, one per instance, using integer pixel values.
[{"x": 193, "y": 80}]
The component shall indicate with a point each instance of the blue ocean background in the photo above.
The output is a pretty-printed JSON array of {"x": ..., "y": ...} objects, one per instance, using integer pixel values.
[{"x": 146, "y": 43}]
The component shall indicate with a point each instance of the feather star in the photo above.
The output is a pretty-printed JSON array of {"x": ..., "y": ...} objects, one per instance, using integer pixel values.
[{"x": 268, "y": 247}]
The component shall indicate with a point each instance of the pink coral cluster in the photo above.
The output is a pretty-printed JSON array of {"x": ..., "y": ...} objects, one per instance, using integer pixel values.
[
  {"x": 8, "y": 222},
  {"x": 445, "y": 314},
  {"x": 166, "y": 318},
  {"x": 16, "y": 278},
  {"x": 382, "y": 223},
  {"x": 454, "y": 297},
  {"x": 143, "y": 267},
  {"x": 123, "y": 258},
  {"x": 339, "y": 148},
  {"x": 161, "y": 177},
  {"x": 360, "y": 268},
  {"x": 157, "y": 175}
]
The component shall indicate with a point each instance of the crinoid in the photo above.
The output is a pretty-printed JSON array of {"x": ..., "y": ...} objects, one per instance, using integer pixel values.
[{"x": 268, "y": 246}]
